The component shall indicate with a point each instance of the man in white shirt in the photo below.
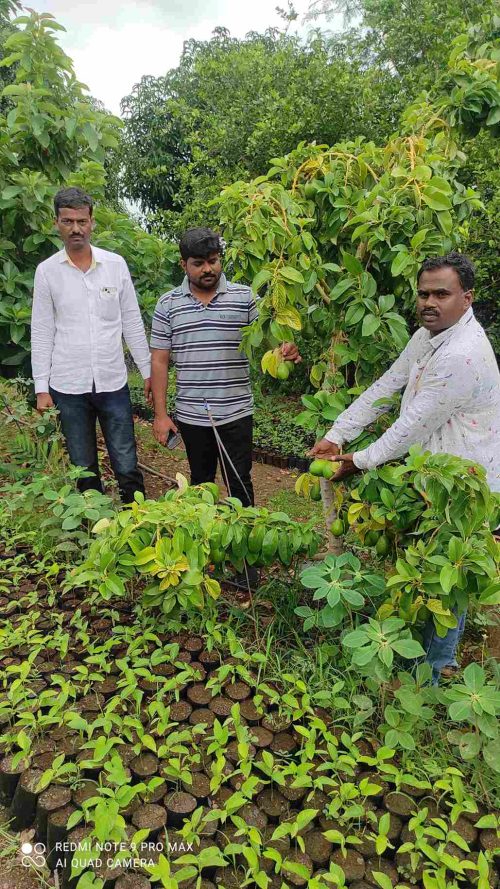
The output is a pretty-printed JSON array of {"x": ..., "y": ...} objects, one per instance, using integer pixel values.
[
  {"x": 451, "y": 402},
  {"x": 84, "y": 302}
]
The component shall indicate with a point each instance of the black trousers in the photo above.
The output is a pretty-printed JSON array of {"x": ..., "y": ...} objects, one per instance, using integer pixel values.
[{"x": 203, "y": 455}]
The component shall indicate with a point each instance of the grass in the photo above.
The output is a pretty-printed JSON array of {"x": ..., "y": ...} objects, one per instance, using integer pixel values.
[{"x": 297, "y": 507}]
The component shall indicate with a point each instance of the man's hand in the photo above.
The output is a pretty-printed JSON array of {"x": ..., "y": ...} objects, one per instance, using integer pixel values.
[
  {"x": 148, "y": 395},
  {"x": 324, "y": 449},
  {"x": 347, "y": 467},
  {"x": 290, "y": 352},
  {"x": 161, "y": 428},
  {"x": 43, "y": 402}
]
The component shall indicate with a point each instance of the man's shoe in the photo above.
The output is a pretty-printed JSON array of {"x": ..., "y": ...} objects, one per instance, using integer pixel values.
[{"x": 449, "y": 672}]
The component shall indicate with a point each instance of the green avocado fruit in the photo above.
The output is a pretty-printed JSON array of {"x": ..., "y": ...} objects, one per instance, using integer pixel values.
[
  {"x": 315, "y": 492},
  {"x": 283, "y": 371},
  {"x": 337, "y": 528},
  {"x": 382, "y": 546}
]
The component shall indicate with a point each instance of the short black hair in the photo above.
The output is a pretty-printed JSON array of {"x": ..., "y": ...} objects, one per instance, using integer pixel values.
[
  {"x": 458, "y": 261},
  {"x": 74, "y": 198},
  {"x": 199, "y": 242}
]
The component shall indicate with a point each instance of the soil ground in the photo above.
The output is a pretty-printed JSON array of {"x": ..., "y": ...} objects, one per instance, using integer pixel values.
[
  {"x": 274, "y": 488},
  {"x": 268, "y": 480}
]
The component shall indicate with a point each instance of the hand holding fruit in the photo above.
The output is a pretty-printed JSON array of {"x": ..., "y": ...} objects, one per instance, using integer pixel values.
[
  {"x": 290, "y": 352},
  {"x": 322, "y": 469},
  {"x": 290, "y": 355},
  {"x": 324, "y": 450},
  {"x": 347, "y": 467}
]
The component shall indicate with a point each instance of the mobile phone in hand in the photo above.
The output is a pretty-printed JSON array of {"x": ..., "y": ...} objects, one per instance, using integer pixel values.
[{"x": 174, "y": 439}]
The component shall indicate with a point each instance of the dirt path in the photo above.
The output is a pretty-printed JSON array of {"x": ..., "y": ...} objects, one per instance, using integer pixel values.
[{"x": 268, "y": 480}]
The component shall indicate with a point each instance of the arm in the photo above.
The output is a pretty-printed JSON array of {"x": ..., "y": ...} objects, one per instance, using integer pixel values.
[
  {"x": 43, "y": 329},
  {"x": 162, "y": 424},
  {"x": 161, "y": 346},
  {"x": 133, "y": 327},
  {"x": 442, "y": 394},
  {"x": 351, "y": 422}
]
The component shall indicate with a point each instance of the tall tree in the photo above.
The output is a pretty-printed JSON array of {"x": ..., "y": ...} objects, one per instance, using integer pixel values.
[{"x": 231, "y": 105}]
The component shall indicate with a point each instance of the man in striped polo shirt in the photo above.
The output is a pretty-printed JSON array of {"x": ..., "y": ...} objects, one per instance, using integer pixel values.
[{"x": 198, "y": 327}]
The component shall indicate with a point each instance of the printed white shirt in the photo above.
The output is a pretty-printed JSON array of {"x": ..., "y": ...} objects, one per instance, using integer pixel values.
[
  {"x": 451, "y": 403},
  {"x": 78, "y": 321}
]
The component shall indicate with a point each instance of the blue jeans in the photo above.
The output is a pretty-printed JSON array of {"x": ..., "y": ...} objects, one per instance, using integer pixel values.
[
  {"x": 78, "y": 415},
  {"x": 442, "y": 652}
]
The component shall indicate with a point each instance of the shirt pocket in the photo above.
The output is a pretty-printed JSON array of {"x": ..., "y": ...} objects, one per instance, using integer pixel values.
[{"x": 108, "y": 304}]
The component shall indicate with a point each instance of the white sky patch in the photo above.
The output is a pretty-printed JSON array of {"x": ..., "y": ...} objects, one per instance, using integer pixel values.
[{"x": 113, "y": 44}]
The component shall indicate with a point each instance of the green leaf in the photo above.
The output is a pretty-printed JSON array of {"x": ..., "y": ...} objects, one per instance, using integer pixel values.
[
  {"x": 460, "y": 710},
  {"x": 370, "y": 325},
  {"x": 292, "y": 275},
  {"x": 352, "y": 264},
  {"x": 355, "y": 639},
  {"x": 91, "y": 135},
  {"x": 469, "y": 745},
  {"x": 448, "y": 577},
  {"x": 487, "y": 821},
  {"x": 408, "y": 648},
  {"x": 382, "y": 880},
  {"x": 260, "y": 279},
  {"x": 493, "y": 116},
  {"x": 474, "y": 677},
  {"x": 400, "y": 262},
  {"x": 11, "y": 191},
  {"x": 435, "y": 199},
  {"x": 445, "y": 222},
  {"x": 419, "y": 238}
]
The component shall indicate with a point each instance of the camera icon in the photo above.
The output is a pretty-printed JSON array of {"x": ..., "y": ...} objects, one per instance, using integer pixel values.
[{"x": 33, "y": 855}]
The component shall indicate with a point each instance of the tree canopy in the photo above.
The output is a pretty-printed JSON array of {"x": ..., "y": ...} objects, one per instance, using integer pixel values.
[{"x": 233, "y": 104}]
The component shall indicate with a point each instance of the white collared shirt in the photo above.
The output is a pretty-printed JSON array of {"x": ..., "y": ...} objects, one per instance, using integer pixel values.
[
  {"x": 78, "y": 321},
  {"x": 451, "y": 403}
]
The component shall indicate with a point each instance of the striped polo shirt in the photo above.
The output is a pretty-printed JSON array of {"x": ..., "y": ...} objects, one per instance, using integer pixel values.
[{"x": 204, "y": 342}]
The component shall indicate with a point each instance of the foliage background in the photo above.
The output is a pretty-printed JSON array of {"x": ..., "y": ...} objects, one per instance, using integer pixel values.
[{"x": 219, "y": 117}]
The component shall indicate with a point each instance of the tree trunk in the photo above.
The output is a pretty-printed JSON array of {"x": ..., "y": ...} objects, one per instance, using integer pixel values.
[{"x": 335, "y": 545}]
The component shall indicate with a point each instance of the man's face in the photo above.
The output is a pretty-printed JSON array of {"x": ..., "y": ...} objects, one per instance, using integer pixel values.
[
  {"x": 203, "y": 273},
  {"x": 75, "y": 227},
  {"x": 441, "y": 300}
]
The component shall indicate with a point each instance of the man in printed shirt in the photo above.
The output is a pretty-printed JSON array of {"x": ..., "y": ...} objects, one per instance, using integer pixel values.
[
  {"x": 83, "y": 303},
  {"x": 451, "y": 403},
  {"x": 198, "y": 327}
]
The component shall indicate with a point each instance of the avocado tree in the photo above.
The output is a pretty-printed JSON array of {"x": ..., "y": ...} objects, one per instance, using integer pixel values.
[{"x": 332, "y": 238}]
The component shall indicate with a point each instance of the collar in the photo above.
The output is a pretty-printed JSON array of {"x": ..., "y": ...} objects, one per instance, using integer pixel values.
[
  {"x": 221, "y": 286},
  {"x": 66, "y": 258},
  {"x": 445, "y": 335}
]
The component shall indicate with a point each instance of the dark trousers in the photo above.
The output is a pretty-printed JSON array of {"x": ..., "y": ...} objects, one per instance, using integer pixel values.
[
  {"x": 78, "y": 415},
  {"x": 203, "y": 455}
]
